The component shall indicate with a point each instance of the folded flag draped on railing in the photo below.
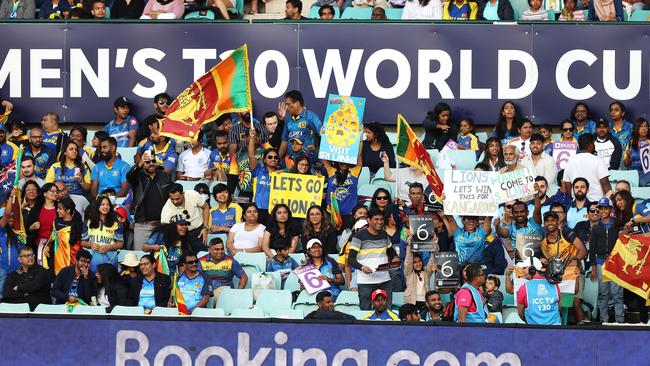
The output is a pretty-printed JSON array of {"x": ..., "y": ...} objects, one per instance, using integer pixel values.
[
  {"x": 411, "y": 151},
  {"x": 178, "y": 298},
  {"x": 223, "y": 89},
  {"x": 628, "y": 264}
]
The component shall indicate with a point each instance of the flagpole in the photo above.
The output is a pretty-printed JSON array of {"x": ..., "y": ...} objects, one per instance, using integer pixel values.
[{"x": 397, "y": 164}]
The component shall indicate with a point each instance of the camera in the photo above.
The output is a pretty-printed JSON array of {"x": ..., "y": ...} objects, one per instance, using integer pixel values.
[{"x": 555, "y": 270}]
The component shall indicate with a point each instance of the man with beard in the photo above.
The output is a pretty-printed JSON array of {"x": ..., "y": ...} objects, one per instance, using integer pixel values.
[
  {"x": 27, "y": 172},
  {"x": 238, "y": 136},
  {"x": 110, "y": 172},
  {"x": 590, "y": 167},
  {"x": 222, "y": 164},
  {"x": 578, "y": 211},
  {"x": 161, "y": 103},
  {"x": 43, "y": 155},
  {"x": 326, "y": 310},
  {"x": 161, "y": 148},
  {"x": 541, "y": 187},
  {"x": 541, "y": 163},
  {"x": 124, "y": 128},
  {"x": 521, "y": 223},
  {"x": 607, "y": 146},
  {"x": 8, "y": 150},
  {"x": 434, "y": 306},
  {"x": 511, "y": 158},
  {"x": 52, "y": 137}
]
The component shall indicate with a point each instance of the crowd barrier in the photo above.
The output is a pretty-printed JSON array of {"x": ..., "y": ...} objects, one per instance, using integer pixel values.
[
  {"x": 78, "y": 69},
  {"x": 37, "y": 340}
]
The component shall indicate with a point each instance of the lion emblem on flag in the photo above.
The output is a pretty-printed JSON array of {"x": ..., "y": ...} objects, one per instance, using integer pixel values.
[{"x": 629, "y": 254}]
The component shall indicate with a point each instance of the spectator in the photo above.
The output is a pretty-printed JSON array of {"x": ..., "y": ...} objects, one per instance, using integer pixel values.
[
  {"x": 470, "y": 304},
  {"x": 262, "y": 176},
  {"x": 535, "y": 13},
  {"x": 238, "y": 137},
  {"x": 75, "y": 283},
  {"x": 619, "y": 126},
  {"x": 495, "y": 10},
  {"x": 174, "y": 9},
  {"x": 150, "y": 288},
  {"x": 110, "y": 172},
  {"x": 567, "y": 129},
  {"x": 318, "y": 226},
  {"x": 112, "y": 289},
  {"x": 30, "y": 193},
  {"x": 39, "y": 222},
  {"x": 17, "y": 133},
  {"x": 511, "y": 156},
  {"x": 469, "y": 240},
  {"x": 541, "y": 163},
  {"x": 493, "y": 154},
  {"x": 22, "y": 9},
  {"x": 369, "y": 248},
  {"x": 225, "y": 213},
  {"x": 246, "y": 236},
  {"x": 53, "y": 9},
  {"x": 281, "y": 232},
  {"x": 103, "y": 235},
  {"x": 409, "y": 313},
  {"x": 149, "y": 186},
  {"x": 581, "y": 117},
  {"x": 433, "y": 310},
  {"x": 606, "y": 12},
  {"x": 507, "y": 125},
  {"x": 459, "y": 10},
  {"x": 467, "y": 139},
  {"x": 160, "y": 148},
  {"x": 27, "y": 172},
  {"x": 193, "y": 163},
  {"x": 52, "y": 137},
  {"x": 297, "y": 151},
  {"x": 422, "y": 10},
  {"x": 193, "y": 207},
  {"x": 589, "y": 166},
  {"x": 541, "y": 186},
  {"x": 130, "y": 267},
  {"x": 300, "y": 122},
  {"x": 375, "y": 145},
  {"x": 607, "y": 146},
  {"x": 28, "y": 284},
  {"x": 281, "y": 262},
  {"x": 381, "y": 199},
  {"x": 378, "y": 13},
  {"x": 577, "y": 212},
  {"x": 161, "y": 103},
  {"x": 538, "y": 301},
  {"x": 170, "y": 240},
  {"x": 43, "y": 156},
  {"x": 326, "y": 12},
  {"x": 439, "y": 127},
  {"x": 493, "y": 297},
  {"x": 569, "y": 12},
  {"x": 633, "y": 155},
  {"x": 417, "y": 198},
  {"x": 417, "y": 275},
  {"x": 124, "y": 128},
  {"x": 68, "y": 226},
  {"x": 98, "y": 9},
  {"x": 221, "y": 269},
  {"x": 222, "y": 164},
  {"x": 121, "y": 9},
  {"x": 193, "y": 284},
  {"x": 522, "y": 142},
  {"x": 329, "y": 269},
  {"x": 8, "y": 150},
  {"x": 623, "y": 207},
  {"x": 274, "y": 127},
  {"x": 72, "y": 173},
  {"x": 343, "y": 184},
  {"x": 494, "y": 256},
  {"x": 381, "y": 306},
  {"x": 293, "y": 11},
  {"x": 78, "y": 135},
  {"x": 9, "y": 242},
  {"x": 585, "y": 229},
  {"x": 96, "y": 144},
  {"x": 326, "y": 310},
  {"x": 521, "y": 224},
  {"x": 301, "y": 165},
  {"x": 546, "y": 132},
  {"x": 622, "y": 185}
]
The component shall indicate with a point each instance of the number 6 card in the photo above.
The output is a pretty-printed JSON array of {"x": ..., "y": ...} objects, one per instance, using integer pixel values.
[
  {"x": 527, "y": 245},
  {"x": 423, "y": 239},
  {"x": 309, "y": 276}
]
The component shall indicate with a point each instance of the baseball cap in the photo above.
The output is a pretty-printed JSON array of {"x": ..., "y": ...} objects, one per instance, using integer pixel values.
[
  {"x": 311, "y": 243},
  {"x": 605, "y": 202},
  {"x": 360, "y": 224},
  {"x": 296, "y": 140},
  {"x": 121, "y": 101},
  {"x": 179, "y": 219},
  {"x": 407, "y": 309},
  {"x": 378, "y": 292},
  {"x": 602, "y": 122},
  {"x": 122, "y": 211},
  {"x": 535, "y": 263}
]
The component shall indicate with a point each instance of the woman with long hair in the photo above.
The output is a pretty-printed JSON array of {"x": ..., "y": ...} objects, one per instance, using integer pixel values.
[
  {"x": 9, "y": 244},
  {"x": 329, "y": 269},
  {"x": 112, "y": 289},
  {"x": 581, "y": 118},
  {"x": 40, "y": 222},
  {"x": 493, "y": 154},
  {"x": 623, "y": 205},
  {"x": 68, "y": 227},
  {"x": 417, "y": 275},
  {"x": 29, "y": 194},
  {"x": 375, "y": 146},
  {"x": 317, "y": 226},
  {"x": 261, "y": 174},
  {"x": 72, "y": 172},
  {"x": 633, "y": 152},
  {"x": 170, "y": 239},
  {"x": 507, "y": 126},
  {"x": 439, "y": 127},
  {"x": 398, "y": 235},
  {"x": 380, "y": 200},
  {"x": 225, "y": 213},
  {"x": 103, "y": 234},
  {"x": 246, "y": 236},
  {"x": 281, "y": 231},
  {"x": 301, "y": 165}
]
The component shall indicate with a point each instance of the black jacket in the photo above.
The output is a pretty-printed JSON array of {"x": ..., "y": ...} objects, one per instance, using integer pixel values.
[
  {"x": 435, "y": 138},
  {"x": 602, "y": 241},
  {"x": 162, "y": 284},
  {"x": 328, "y": 238},
  {"x": 504, "y": 11},
  {"x": 86, "y": 288},
  {"x": 329, "y": 315},
  {"x": 33, "y": 287},
  {"x": 118, "y": 294},
  {"x": 139, "y": 181}
]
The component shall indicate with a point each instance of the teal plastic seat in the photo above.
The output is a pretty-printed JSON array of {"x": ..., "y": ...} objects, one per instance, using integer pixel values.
[
  {"x": 127, "y": 154},
  {"x": 247, "y": 313},
  {"x": 518, "y": 6},
  {"x": 250, "y": 272},
  {"x": 393, "y": 14},
  {"x": 433, "y": 154},
  {"x": 398, "y": 300},
  {"x": 463, "y": 159},
  {"x": 380, "y": 175},
  {"x": 269, "y": 300},
  {"x": 200, "y": 15},
  {"x": 94, "y": 310},
  {"x": 222, "y": 236},
  {"x": 357, "y": 13},
  {"x": 7, "y": 308},
  {"x": 208, "y": 313},
  {"x": 231, "y": 299},
  {"x": 366, "y": 190},
  {"x": 511, "y": 316},
  {"x": 51, "y": 309},
  {"x": 631, "y": 176},
  {"x": 640, "y": 16},
  {"x": 347, "y": 302},
  {"x": 255, "y": 260},
  {"x": 286, "y": 314},
  {"x": 641, "y": 193},
  {"x": 305, "y": 302},
  {"x": 482, "y": 136},
  {"x": 298, "y": 257},
  {"x": 313, "y": 12},
  {"x": 128, "y": 310},
  {"x": 161, "y": 311},
  {"x": 364, "y": 175},
  {"x": 292, "y": 283},
  {"x": 590, "y": 297}
]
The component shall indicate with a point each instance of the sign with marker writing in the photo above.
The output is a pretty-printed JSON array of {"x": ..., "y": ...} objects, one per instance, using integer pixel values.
[{"x": 469, "y": 192}]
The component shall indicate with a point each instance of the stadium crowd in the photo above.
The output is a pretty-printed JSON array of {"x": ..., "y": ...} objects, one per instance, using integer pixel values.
[{"x": 81, "y": 205}]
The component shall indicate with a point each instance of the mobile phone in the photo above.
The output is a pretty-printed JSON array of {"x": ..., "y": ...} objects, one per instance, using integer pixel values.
[{"x": 382, "y": 154}]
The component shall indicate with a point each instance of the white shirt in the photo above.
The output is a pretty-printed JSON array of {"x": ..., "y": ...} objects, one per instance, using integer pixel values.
[
  {"x": 193, "y": 205},
  {"x": 544, "y": 167},
  {"x": 590, "y": 167},
  {"x": 193, "y": 166},
  {"x": 413, "y": 10},
  {"x": 246, "y": 239}
]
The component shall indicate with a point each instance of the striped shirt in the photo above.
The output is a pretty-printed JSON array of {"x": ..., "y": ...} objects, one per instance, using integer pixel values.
[
  {"x": 534, "y": 16},
  {"x": 371, "y": 253},
  {"x": 238, "y": 134}
]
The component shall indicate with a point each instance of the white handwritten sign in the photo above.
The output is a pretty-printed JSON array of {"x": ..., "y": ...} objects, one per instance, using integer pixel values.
[
  {"x": 309, "y": 276},
  {"x": 469, "y": 192},
  {"x": 513, "y": 185}
]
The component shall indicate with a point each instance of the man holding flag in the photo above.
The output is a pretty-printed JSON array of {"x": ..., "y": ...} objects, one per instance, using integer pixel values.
[{"x": 192, "y": 289}]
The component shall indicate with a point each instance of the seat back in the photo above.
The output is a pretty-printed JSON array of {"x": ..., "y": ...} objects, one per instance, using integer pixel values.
[
  {"x": 269, "y": 300},
  {"x": 231, "y": 299}
]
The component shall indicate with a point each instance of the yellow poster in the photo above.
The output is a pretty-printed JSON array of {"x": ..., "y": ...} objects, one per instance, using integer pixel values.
[{"x": 298, "y": 191}]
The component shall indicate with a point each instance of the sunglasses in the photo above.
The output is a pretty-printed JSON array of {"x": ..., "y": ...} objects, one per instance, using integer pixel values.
[
  {"x": 273, "y": 157},
  {"x": 192, "y": 262},
  {"x": 382, "y": 198},
  {"x": 593, "y": 211},
  {"x": 187, "y": 214},
  {"x": 147, "y": 162},
  {"x": 508, "y": 207},
  {"x": 567, "y": 129}
]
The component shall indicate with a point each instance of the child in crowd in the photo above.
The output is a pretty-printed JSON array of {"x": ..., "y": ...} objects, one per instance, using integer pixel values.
[
  {"x": 493, "y": 297},
  {"x": 467, "y": 140},
  {"x": 535, "y": 13},
  {"x": 546, "y": 131},
  {"x": 282, "y": 263}
]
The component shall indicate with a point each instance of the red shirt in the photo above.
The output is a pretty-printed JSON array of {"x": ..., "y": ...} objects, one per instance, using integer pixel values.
[
  {"x": 464, "y": 298},
  {"x": 46, "y": 218}
]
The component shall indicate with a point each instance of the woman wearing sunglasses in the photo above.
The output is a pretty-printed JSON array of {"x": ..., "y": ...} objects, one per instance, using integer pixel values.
[
  {"x": 262, "y": 175},
  {"x": 380, "y": 200},
  {"x": 102, "y": 233}
]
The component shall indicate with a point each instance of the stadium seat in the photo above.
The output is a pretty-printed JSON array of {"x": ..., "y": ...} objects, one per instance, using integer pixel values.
[
  {"x": 223, "y": 237},
  {"x": 364, "y": 175},
  {"x": 286, "y": 314},
  {"x": 160, "y": 311},
  {"x": 298, "y": 257},
  {"x": 366, "y": 190},
  {"x": 127, "y": 154},
  {"x": 305, "y": 302},
  {"x": 640, "y": 16},
  {"x": 482, "y": 136},
  {"x": 128, "y": 310},
  {"x": 189, "y": 185},
  {"x": 231, "y": 299},
  {"x": 247, "y": 313},
  {"x": 518, "y": 6},
  {"x": 631, "y": 176},
  {"x": 359, "y": 314},
  {"x": 433, "y": 154},
  {"x": 7, "y": 308},
  {"x": 379, "y": 176},
  {"x": 590, "y": 297},
  {"x": 393, "y": 14},
  {"x": 347, "y": 301},
  {"x": 277, "y": 278},
  {"x": 511, "y": 316},
  {"x": 206, "y": 14},
  {"x": 291, "y": 283},
  {"x": 94, "y": 310},
  {"x": 640, "y": 194},
  {"x": 357, "y": 13},
  {"x": 462, "y": 159},
  {"x": 51, "y": 309},
  {"x": 250, "y": 271},
  {"x": 398, "y": 300},
  {"x": 445, "y": 298},
  {"x": 269, "y": 300},
  {"x": 203, "y": 253},
  {"x": 208, "y": 313},
  {"x": 313, "y": 12},
  {"x": 392, "y": 135},
  {"x": 255, "y": 260}
]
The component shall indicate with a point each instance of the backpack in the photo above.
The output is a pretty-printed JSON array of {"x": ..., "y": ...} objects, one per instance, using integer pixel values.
[{"x": 448, "y": 311}]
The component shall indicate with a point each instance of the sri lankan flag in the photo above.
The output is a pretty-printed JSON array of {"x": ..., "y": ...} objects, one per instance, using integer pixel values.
[
  {"x": 411, "y": 151},
  {"x": 62, "y": 248},
  {"x": 224, "y": 89},
  {"x": 18, "y": 225},
  {"x": 162, "y": 265},
  {"x": 178, "y": 298},
  {"x": 335, "y": 212},
  {"x": 628, "y": 264}
]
